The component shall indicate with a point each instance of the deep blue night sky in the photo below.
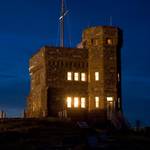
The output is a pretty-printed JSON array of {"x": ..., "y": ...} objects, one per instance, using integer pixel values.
[{"x": 27, "y": 25}]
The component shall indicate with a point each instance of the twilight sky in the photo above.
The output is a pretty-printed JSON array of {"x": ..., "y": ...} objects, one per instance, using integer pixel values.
[{"x": 27, "y": 25}]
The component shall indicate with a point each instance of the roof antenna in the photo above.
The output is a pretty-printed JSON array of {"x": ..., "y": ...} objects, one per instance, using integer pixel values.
[{"x": 63, "y": 14}]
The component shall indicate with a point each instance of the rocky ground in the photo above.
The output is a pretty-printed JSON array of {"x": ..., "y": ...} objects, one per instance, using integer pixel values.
[{"x": 31, "y": 134}]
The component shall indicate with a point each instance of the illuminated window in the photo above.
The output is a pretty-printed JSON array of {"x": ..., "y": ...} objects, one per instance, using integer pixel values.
[
  {"x": 109, "y": 99},
  {"x": 69, "y": 76},
  {"x": 83, "y": 77},
  {"x": 118, "y": 102},
  {"x": 96, "y": 76},
  {"x": 82, "y": 102},
  {"x": 118, "y": 77},
  {"x": 76, "y": 102},
  {"x": 69, "y": 99},
  {"x": 97, "y": 102},
  {"x": 76, "y": 76},
  {"x": 109, "y": 41}
]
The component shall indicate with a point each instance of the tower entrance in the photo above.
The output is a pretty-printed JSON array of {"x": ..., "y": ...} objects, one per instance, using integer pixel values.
[{"x": 110, "y": 109}]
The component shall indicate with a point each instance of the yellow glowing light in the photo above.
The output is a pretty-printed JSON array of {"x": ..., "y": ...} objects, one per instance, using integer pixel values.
[
  {"x": 109, "y": 99},
  {"x": 76, "y": 76},
  {"x": 69, "y": 99},
  {"x": 82, "y": 102},
  {"x": 97, "y": 102},
  {"x": 83, "y": 77},
  {"x": 76, "y": 102},
  {"x": 109, "y": 41},
  {"x": 96, "y": 76},
  {"x": 69, "y": 76}
]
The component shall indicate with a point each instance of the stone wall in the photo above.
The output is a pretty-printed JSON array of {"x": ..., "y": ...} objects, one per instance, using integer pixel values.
[{"x": 50, "y": 87}]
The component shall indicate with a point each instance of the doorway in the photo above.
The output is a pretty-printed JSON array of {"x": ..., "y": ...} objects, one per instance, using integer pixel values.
[{"x": 110, "y": 109}]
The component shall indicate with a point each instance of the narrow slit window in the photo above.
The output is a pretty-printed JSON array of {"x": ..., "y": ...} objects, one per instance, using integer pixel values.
[
  {"x": 96, "y": 76},
  {"x": 97, "y": 102},
  {"x": 83, "y": 103},
  {"x": 118, "y": 77}
]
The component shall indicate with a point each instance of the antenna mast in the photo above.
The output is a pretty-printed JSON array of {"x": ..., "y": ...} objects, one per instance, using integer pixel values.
[{"x": 62, "y": 24}]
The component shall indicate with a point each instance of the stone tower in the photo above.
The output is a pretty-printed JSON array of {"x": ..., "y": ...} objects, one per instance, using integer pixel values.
[
  {"x": 37, "y": 99},
  {"x": 104, "y": 87},
  {"x": 81, "y": 82}
]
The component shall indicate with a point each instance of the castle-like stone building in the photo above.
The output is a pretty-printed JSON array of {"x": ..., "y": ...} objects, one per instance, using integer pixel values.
[{"x": 79, "y": 82}]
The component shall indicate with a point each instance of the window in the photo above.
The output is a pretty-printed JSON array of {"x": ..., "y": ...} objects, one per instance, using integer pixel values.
[
  {"x": 96, "y": 76},
  {"x": 76, "y": 76},
  {"x": 92, "y": 41},
  {"x": 66, "y": 64},
  {"x": 83, "y": 77},
  {"x": 83, "y": 64},
  {"x": 34, "y": 106},
  {"x": 69, "y": 99},
  {"x": 82, "y": 102},
  {"x": 119, "y": 103},
  {"x": 96, "y": 42},
  {"x": 109, "y": 99},
  {"x": 118, "y": 77},
  {"x": 62, "y": 64},
  {"x": 97, "y": 102},
  {"x": 69, "y": 76},
  {"x": 76, "y": 102},
  {"x": 109, "y": 41},
  {"x": 84, "y": 44},
  {"x": 75, "y": 65},
  {"x": 70, "y": 65}
]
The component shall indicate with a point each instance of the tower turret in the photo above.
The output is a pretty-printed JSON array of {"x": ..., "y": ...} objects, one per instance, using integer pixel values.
[{"x": 103, "y": 44}]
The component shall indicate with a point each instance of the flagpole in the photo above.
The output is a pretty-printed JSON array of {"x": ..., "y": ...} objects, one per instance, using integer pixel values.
[{"x": 62, "y": 25}]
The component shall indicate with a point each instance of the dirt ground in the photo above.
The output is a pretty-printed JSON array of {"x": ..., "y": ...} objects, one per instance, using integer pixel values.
[{"x": 31, "y": 134}]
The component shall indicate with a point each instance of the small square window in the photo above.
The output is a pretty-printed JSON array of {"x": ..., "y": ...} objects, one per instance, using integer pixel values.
[{"x": 97, "y": 102}]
